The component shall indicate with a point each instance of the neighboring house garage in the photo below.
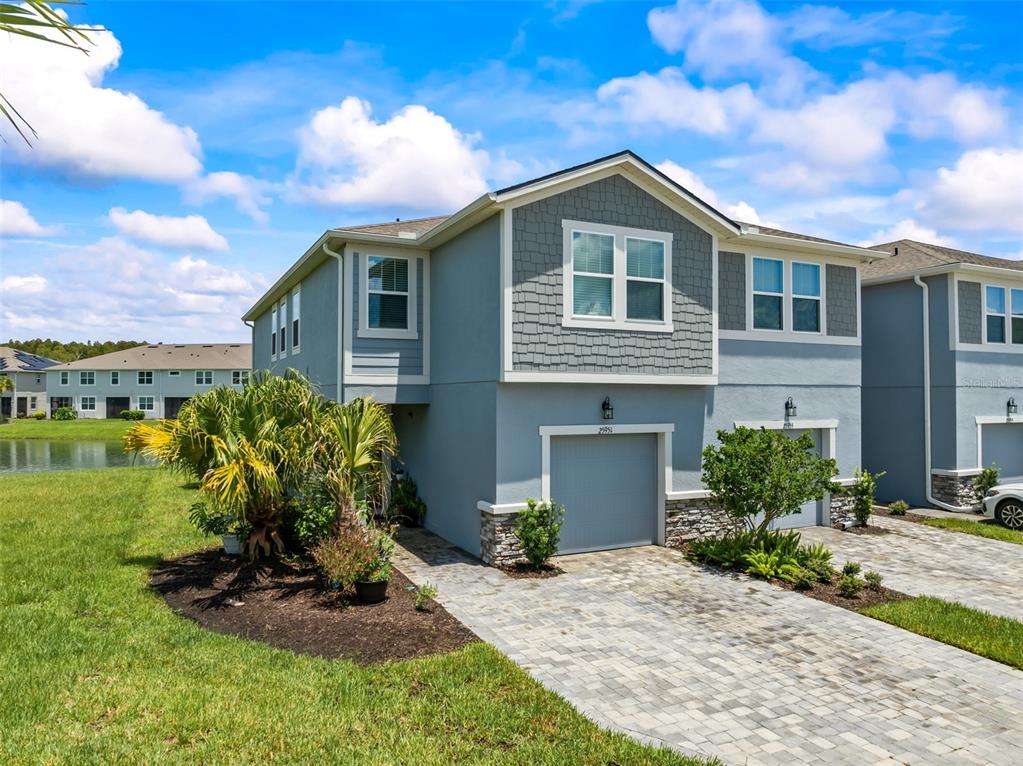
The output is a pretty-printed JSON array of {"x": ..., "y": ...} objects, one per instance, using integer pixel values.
[{"x": 1002, "y": 446}]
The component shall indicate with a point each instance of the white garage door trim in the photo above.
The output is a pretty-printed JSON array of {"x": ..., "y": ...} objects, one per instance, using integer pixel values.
[
  {"x": 662, "y": 430},
  {"x": 985, "y": 420}
]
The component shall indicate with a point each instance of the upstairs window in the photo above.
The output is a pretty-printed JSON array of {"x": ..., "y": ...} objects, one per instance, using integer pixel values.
[
  {"x": 1017, "y": 317},
  {"x": 87, "y": 378},
  {"x": 616, "y": 277},
  {"x": 387, "y": 293},
  {"x": 995, "y": 316},
  {"x": 273, "y": 332},
  {"x": 282, "y": 341},
  {"x": 115, "y": 378},
  {"x": 768, "y": 294},
  {"x": 204, "y": 377},
  {"x": 145, "y": 377},
  {"x": 296, "y": 315},
  {"x": 65, "y": 378},
  {"x": 806, "y": 297}
]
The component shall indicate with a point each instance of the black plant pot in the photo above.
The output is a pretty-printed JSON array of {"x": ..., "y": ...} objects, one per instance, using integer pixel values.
[{"x": 371, "y": 592}]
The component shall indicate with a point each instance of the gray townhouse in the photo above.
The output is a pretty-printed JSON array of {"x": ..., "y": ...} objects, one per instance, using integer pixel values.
[
  {"x": 581, "y": 336},
  {"x": 942, "y": 371},
  {"x": 27, "y": 373},
  {"x": 156, "y": 379}
]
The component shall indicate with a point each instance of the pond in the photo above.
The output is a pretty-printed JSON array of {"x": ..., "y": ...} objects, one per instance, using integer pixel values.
[{"x": 56, "y": 455}]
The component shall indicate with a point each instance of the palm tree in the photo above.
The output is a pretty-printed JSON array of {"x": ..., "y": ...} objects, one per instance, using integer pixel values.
[{"x": 32, "y": 19}]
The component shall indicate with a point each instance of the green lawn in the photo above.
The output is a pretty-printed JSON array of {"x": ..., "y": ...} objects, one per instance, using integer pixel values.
[
  {"x": 990, "y": 530},
  {"x": 997, "y": 638},
  {"x": 30, "y": 428},
  {"x": 96, "y": 669}
]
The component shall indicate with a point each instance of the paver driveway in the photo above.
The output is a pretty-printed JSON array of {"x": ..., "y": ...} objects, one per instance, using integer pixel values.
[
  {"x": 921, "y": 560},
  {"x": 644, "y": 642}
]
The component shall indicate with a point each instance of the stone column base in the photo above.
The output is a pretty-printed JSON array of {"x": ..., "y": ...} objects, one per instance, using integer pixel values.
[
  {"x": 841, "y": 509},
  {"x": 498, "y": 545},
  {"x": 956, "y": 490},
  {"x": 694, "y": 519}
]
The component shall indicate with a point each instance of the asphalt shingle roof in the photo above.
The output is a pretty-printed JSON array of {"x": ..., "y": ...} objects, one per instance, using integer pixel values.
[
  {"x": 169, "y": 356},
  {"x": 395, "y": 228},
  {"x": 908, "y": 255}
]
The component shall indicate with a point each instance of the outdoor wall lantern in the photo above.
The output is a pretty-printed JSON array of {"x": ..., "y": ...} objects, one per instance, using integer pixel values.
[
  {"x": 607, "y": 408},
  {"x": 1011, "y": 408},
  {"x": 790, "y": 408}
]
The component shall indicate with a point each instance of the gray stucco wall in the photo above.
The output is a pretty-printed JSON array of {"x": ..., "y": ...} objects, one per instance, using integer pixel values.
[
  {"x": 261, "y": 342},
  {"x": 840, "y": 286},
  {"x": 541, "y": 343},
  {"x": 318, "y": 347},
  {"x": 732, "y": 291},
  {"x": 985, "y": 381},
  {"x": 379, "y": 356},
  {"x": 971, "y": 312}
]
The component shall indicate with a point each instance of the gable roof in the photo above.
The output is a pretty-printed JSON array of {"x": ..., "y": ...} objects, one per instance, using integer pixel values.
[
  {"x": 169, "y": 356},
  {"x": 398, "y": 227},
  {"x": 15, "y": 360},
  {"x": 909, "y": 256}
]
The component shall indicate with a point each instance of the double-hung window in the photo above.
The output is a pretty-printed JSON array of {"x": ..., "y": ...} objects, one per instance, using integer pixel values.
[
  {"x": 146, "y": 403},
  {"x": 995, "y": 314},
  {"x": 145, "y": 377},
  {"x": 115, "y": 378},
  {"x": 768, "y": 294},
  {"x": 239, "y": 377},
  {"x": 1017, "y": 316},
  {"x": 806, "y": 297},
  {"x": 87, "y": 378},
  {"x": 282, "y": 312},
  {"x": 273, "y": 332},
  {"x": 65, "y": 378},
  {"x": 296, "y": 315},
  {"x": 204, "y": 377},
  {"x": 88, "y": 403},
  {"x": 616, "y": 277},
  {"x": 387, "y": 297}
]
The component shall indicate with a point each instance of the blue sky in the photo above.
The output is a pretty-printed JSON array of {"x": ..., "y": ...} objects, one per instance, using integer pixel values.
[{"x": 201, "y": 147}]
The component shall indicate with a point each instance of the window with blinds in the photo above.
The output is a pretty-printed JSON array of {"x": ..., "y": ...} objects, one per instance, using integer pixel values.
[{"x": 387, "y": 292}]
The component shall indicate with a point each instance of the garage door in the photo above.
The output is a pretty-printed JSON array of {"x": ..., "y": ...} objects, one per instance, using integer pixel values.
[
  {"x": 810, "y": 512},
  {"x": 1003, "y": 447},
  {"x": 608, "y": 485}
]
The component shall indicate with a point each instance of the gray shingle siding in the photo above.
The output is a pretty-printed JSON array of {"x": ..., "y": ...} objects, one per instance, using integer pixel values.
[
  {"x": 542, "y": 344},
  {"x": 970, "y": 312},
  {"x": 841, "y": 300},
  {"x": 380, "y": 356},
  {"x": 732, "y": 291}
]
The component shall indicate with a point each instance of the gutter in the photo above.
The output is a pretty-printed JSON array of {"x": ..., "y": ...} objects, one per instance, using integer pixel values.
[
  {"x": 927, "y": 400},
  {"x": 340, "y": 314}
]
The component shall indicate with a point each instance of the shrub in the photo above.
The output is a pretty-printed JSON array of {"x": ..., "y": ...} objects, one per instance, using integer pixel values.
[
  {"x": 211, "y": 522},
  {"x": 771, "y": 565},
  {"x": 985, "y": 480},
  {"x": 65, "y": 413},
  {"x": 898, "y": 508},
  {"x": 863, "y": 492},
  {"x": 823, "y": 570},
  {"x": 424, "y": 593},
  {"x": 726, "y": 551},
  {"x": 342, "y": 559},
  {"x": 851, "y": 569},
  {"x": 804, "y": 579},
  {"x": 538, "y": 530},
  {"x": 405, "y": 501},
  {"x": 873, "y": 580},
  {"x": 758, "y": 476},
  {"x": 133, "y": 414},
  {"x": 850, "y": 586},
  {"x": 312, "y": 523},
  {"x": 808, "y": 554},
  {"x": 39, "y": 415}
]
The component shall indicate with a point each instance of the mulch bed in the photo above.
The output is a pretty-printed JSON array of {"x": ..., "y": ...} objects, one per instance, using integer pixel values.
[
  {"x": 285, "y": 603},
  {"x": 525, "y": 571},
  {"x": 829, "y": 593},
  {"x": 916, "y": 517},
  {"x": 868, "y": 530}
]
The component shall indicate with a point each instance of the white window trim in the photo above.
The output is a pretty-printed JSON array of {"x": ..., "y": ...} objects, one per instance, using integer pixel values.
[
  {"x": 65, "y": 378},
  {"x": 83, "y": 372},
  {"x": 241, "y": 375},
  {"x": 273, "y": 332},
  {"x": 412, "y": 331},
  {"x": 784, "y": 295},
  {"x": 296, "y": 293},
  {"x": 81, "y": 404},
  {"x": 113, "y": 381},
  {"x": 203, "y": 373},
  {"x": 282, "y": 327},
  {"x": 619, "y": 279},
  {"x": 174, "y": 373},
  {"x": 985, "y": 313},
  {"x": 953, "y": 309},
  {"x": 819, "y": 298},
  {"x": 138, "y": 378},
  {"x": 152, "y": 403}
]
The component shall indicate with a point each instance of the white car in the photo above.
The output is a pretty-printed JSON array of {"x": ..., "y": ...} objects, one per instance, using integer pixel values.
[{"x": 1005, "y": 503}]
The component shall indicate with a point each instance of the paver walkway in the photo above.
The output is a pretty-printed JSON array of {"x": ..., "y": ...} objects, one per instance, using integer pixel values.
[
  {"x": 644, "y": 642},
  {"x": 920, "y": 560}
]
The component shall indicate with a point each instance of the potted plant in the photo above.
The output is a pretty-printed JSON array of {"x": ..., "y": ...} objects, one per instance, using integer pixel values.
[
  {"x": 231, "y": 529},
  {"x": 371, "y": 584}
]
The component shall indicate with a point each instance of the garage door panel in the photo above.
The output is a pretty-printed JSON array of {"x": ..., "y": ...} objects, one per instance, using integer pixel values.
[
  {"x": 1003, "y": 447},
  {"x": 608, "y": 485}
]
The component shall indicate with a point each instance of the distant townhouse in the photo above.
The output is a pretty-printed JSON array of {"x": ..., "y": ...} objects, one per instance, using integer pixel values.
[
  {"x": 581, "y": 337},
  {"x": 28, "y": 382},
  {"x": 156, "y": 379},
  {"x": 942, "y": 371}
]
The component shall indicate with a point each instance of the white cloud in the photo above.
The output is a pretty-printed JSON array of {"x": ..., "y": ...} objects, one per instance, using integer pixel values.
[
  {"x": 825, "y": 27},
  {"x": 415, "y": 159},
  {"x": 982, "y": 192},
  {"x": 33, "y": 283},
  {"x": 909, "y": 229},
  {"x": 16, "y": 221},
  {"x": 84, "y": 128},
  {"x": 743, "y": 211},
  {"x": 248, "y": 193},
  {"x": 190, "y": 231}
]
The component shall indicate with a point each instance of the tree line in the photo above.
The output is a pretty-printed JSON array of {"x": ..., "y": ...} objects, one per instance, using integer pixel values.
[{"x": 72, "y": 350}]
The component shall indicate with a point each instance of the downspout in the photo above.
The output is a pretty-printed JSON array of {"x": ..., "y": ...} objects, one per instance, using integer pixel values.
[
  {"x": 340, "y": 315},
  {"x": 927, "y": 399}
]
